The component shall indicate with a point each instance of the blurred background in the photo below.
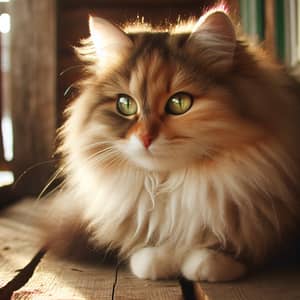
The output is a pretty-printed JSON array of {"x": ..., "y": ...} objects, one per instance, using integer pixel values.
[{"x": 38, "y": 66}]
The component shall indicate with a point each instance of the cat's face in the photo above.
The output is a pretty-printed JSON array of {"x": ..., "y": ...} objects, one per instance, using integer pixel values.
[{"x": 156, "y": 101}]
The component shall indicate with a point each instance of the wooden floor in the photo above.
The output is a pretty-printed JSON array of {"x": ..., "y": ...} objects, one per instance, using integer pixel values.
[{"x": 28, "y": 272}]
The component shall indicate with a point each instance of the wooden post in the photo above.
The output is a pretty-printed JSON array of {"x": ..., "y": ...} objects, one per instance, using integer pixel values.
[
  {"x": 270, "y": 40},
  {"x": 33, "y": 91},
  {"x": 1, "y": 112}
]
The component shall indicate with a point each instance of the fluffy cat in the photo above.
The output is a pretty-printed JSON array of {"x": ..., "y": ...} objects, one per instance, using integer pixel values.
[{"x": 182, "y": 149}]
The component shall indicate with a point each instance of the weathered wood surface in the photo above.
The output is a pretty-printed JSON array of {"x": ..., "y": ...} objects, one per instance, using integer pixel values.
[
  {"x": 89, "y": 279},
  {"x": 65, "y": 280},
  {"x": 19, "y": 239},
  {"x": 277, "y": 283},
  {"x": 33, "y": 90},
  {"x": 1, "y": 114},
  {"x": 62, "y": 279}
]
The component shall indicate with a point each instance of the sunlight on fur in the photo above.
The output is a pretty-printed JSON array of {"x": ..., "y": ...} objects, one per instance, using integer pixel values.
[{"x": 182, "y": 150}]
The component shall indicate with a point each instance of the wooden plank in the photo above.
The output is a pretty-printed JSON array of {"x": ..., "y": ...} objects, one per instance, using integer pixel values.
[
  {"x": 274, "y": 283},
  {"x": 130, "y": 287},
  {"x": 33, "y": 90},
  {"x": 1, "y": 107},
  {"x": 64, "y": 279},
  {"x": 19, "y": 238}
]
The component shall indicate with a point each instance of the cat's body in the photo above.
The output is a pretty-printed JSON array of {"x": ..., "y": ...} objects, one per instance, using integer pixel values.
[{"x": 196, "y": 186}]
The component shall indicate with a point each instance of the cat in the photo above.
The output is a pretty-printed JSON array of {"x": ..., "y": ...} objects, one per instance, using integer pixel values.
[{"x": 182, "y": 149}]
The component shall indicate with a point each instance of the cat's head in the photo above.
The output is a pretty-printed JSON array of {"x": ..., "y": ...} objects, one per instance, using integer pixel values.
[{"x": 156, "y": 99}]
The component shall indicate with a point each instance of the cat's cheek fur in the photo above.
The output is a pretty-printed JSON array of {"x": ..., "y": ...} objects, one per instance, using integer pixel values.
[
  {"x": 134, "y": 150},
  {"x": 160, "y": 156},
  {"x": 134, "y": 146}
]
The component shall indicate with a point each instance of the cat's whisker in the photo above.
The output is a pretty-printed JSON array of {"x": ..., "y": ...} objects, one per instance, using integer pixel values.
[
  {"x": 109, "y": 159},
  {"x": 55, "y": 191},
  {"x": 71, "y": 69},
  {"x": 100, "y": 156},
  {"x": 97, "y": 147},
  {"x": 95, "y": 144},
  {"x": 101, "y": 153},
  {"x": 52, "y": 179}
]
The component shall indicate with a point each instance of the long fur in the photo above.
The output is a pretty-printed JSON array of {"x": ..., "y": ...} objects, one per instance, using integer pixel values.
[{"x": 223, "y": 176}]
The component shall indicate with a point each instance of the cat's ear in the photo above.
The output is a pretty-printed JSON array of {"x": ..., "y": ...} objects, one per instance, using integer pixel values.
[
  {"x": 214, "y": 40},
  {"x": 110, "y": 42}
]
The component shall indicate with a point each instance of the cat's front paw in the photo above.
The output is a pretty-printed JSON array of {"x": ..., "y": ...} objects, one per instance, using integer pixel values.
[
  {"x": 152, "y": 263},
  {"x": 212, "y": 266}
]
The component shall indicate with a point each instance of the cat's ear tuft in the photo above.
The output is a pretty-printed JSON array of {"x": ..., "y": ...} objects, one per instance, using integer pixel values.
[
  {"x": 214, "y": 39},
  {"x": 109, "y": 40}
]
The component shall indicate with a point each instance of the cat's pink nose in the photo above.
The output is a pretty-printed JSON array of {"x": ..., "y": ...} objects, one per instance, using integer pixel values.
[{"x": 146, "y": 140}]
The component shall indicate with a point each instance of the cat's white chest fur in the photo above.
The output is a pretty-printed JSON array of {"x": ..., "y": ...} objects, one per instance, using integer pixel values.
[
  {"x": 133, "y": 208},
  {"x": 130, "y": 208},
  {"x": 149, "y": 206}
]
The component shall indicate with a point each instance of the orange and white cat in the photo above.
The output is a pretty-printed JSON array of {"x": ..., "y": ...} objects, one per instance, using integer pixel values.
[{"x": 182, "y": 150}]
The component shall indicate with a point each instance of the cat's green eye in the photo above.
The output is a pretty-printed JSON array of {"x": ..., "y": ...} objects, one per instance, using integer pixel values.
[
  {"x": 179, "y": 103},
  {"x": 126, "y": 105}
]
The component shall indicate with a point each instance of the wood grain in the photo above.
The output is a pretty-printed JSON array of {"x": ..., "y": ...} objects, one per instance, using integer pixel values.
[
  {"x": 19, "y": 238},
  {"x": 130, "y": 287},
  {"x": 33, "y": 90},
  {"x": 281, "y": 282},
  {"x": 1, "y": 111},
  {"x": 66, "y": 279}
]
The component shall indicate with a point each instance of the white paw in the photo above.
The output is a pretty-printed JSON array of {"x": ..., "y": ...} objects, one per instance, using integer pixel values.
[
  {"x": 212, "y": 266},
  {"x": 152, "y": 263}
]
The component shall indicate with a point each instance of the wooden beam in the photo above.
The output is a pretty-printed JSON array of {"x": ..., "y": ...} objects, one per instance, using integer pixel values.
[
  {"x": 270, "y": 39},
  {"x": 1, "y": 108},
  {"x": 33, "y": 90},
  {"x": 135, "y": 3}
]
